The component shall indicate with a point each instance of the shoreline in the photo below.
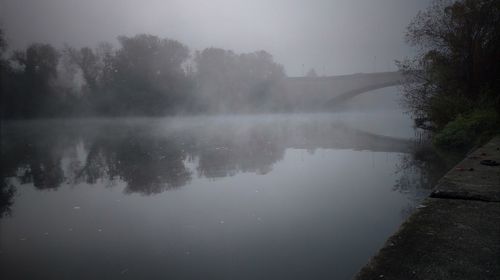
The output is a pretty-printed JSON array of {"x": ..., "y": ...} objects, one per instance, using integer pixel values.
[{"x": 455, "y": 232}]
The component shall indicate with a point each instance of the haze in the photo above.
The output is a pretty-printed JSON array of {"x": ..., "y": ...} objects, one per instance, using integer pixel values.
[
  {"x": 332, "y": 36},
  {"x": 258, "y": 139}
]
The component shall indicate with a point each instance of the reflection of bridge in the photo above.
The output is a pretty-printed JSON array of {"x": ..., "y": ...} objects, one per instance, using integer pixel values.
[
  {"x": 151, "y": 156},
  {"x": 327, "y": 92},
  {"x": 341, "y": 136}
]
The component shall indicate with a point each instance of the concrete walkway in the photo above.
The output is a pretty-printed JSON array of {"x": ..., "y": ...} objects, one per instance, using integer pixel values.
[{"x": 455, "y": 233}]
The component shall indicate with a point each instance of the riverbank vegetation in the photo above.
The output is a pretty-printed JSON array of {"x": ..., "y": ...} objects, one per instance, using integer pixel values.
[
  {"x": 455, "y": 89},
  {"x": 144, "y": 76}
]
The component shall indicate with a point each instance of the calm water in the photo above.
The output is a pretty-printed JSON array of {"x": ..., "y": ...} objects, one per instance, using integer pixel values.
[{"x": 250, "y": 197}]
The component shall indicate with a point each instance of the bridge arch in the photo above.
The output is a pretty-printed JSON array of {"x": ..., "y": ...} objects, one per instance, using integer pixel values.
[
  {"x": 341, "y": 98},
  {"x": 320, "y": 93}
]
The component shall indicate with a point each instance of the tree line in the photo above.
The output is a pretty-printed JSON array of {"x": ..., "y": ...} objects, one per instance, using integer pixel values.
[
  {"x": 455, "y": 78},
  {"x": 144, "y": 76}
]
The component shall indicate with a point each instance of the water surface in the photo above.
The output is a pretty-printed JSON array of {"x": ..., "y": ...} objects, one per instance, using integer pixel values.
[{"x": 309, "y": 196}]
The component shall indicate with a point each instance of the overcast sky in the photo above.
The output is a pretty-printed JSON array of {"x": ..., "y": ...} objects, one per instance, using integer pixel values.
[{"x": 333, "y": 36}]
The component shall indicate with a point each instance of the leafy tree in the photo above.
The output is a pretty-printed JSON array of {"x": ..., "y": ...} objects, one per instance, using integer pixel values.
[
  {"x": 216, "y": 77},
  {"x": 30, "y": 91},
  {"x": 458, "y": 66},
  {"x": 148, "y": 74},
  {"x": 144, "y": 76},
  {"x": 228, "y": 82},
  {"x": 39, "y": 64},
  {"x": 148, "y": 59},
  {"x": 88, "y": 62},
  {"x": 95, "y": 67}
]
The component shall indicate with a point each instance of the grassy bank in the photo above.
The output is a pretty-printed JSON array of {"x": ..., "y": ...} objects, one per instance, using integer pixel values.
[{"x": 468, "y": 131}]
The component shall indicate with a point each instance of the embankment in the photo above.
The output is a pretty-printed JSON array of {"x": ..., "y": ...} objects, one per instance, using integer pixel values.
[{"x": 455, "y": 233}]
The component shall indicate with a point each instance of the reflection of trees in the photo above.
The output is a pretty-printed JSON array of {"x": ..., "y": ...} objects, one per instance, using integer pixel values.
[
  {"x": 232, "y": 151},
  {"x": 9, "y": 165},
  {"x": 230, "y": 82},
  {"x": 7, "y": 192},
  {"x": 147, "y": 164},
  {"x": 33, "y": 159},
  {"x": 151, "y": 160},
  {"x": 45, "y": 171},
  {"x": 422, "y": 167},
  {"x": 419, "y": 172},
  {"x": 29, "y": 158}
]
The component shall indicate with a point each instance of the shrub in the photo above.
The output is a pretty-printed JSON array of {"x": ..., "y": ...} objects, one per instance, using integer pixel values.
[{"x": 468, "y": 130}]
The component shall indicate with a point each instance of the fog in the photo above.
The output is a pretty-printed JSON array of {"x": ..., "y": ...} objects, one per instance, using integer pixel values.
[
  {"x": 332, "y": 36},
  {"x": 194, "y": 139},
  {"x": 240, "y": 197}
]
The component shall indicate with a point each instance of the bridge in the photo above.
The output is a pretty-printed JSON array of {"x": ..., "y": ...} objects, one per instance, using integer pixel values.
[{"x": 324, "y": 93}]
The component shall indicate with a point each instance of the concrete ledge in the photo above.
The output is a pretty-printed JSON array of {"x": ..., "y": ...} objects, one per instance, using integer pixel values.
[
  {"x": 455, "y": 234},
  {"x": 472, "y": 180},
  {"x": 448, "y": 239}
]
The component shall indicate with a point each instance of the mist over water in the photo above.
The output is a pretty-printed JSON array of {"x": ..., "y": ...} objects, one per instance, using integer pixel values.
[
  {"x": 274, "y": 196},
  {"x": 231, "y": 139},
  {"x": 204, "y": 139}
]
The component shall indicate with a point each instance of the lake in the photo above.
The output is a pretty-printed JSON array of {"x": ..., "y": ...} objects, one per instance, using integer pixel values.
[{"x": 283, "y": 196}]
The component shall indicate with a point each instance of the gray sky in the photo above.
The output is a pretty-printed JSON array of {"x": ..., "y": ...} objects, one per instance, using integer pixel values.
[{"x": 333, "y": 36}]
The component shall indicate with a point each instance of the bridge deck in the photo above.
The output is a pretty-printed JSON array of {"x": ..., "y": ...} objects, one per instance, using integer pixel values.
[{"x": 321, "y": 92}]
